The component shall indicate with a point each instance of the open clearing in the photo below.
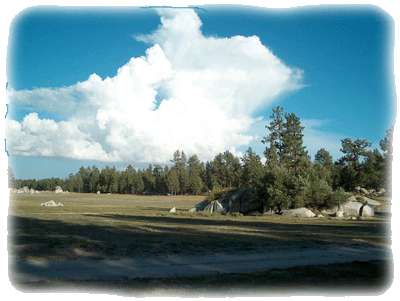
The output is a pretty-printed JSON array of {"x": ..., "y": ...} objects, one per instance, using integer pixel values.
[{"x": 128, "y": 227}]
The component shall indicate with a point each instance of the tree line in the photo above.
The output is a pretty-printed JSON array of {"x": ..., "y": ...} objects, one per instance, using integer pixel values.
[{"x": 288, "y": 178}]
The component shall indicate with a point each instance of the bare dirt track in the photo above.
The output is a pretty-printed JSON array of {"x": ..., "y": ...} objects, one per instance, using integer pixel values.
[{"x": 186, "y": 266}]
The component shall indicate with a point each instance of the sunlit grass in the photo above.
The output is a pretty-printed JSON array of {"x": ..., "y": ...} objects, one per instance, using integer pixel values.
[{"x": 99, "y": 226}]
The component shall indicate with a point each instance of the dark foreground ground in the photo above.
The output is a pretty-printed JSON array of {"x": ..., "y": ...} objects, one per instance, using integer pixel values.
[{"x": 372, "y": 278}]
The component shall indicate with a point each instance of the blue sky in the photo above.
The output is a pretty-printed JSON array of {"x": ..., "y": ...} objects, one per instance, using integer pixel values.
[{"x": 331, "y": 66}]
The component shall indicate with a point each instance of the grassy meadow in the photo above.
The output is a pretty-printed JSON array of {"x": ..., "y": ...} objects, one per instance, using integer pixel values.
[{"x": 114, "y": 226}]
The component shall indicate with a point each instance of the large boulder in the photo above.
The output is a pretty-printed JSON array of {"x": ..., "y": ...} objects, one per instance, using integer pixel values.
[
  {"x": 236, "y": 201},
  {"x": 199, "y": 207},
  {"x": 354, "y": 209},
  {"x": 300, "y": 212},
  {"x": 51, "y": 204},
  {"x": 217, "y": 207},
  {"x": 339, "y": 213},
  {"x": 240, "y": 201},
  {"x": 58, "y": 189},
  {"x": 23, "y": 190}
]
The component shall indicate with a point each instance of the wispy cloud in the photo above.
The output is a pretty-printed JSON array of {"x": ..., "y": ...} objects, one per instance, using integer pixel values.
[{"x": 187, "y": 92}]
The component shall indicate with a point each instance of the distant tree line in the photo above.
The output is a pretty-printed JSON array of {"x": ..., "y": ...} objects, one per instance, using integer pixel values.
[{"x": 287, "y": 179}]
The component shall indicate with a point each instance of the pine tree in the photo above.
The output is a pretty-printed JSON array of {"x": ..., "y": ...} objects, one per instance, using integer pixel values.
[
  {"x": 149, "y": 180},
  {"x": 232, "y": 170},
  {"x": 354, "y": 151},
  {"x": 195, "y": 182},
  {"x": 172, "y": 182},
  {"x": 273, "y": 152},
  {"x": 179, "y": 161},
  {"x": 322, "y": 156},
  {"x": 325, "y": 159},
  {"x": 372, "y": 170},
  {"x": 253, "y": 169},
  {"x": 285, "y": 141},
  {"x": 293, "y": 150},
  {"x": 137, "y": 183},
  {"x": 158, "y": 173},
  {"x": 94, "y": 178}
]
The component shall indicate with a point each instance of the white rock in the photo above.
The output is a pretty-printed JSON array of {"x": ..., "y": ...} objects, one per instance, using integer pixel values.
[
  {"x": 339, "y": 213},
  {"x": 353, "y": 209},
  {"x": 300, "y": 212},
  {"x": 199, "y": 207},
  {"x": 217, "y": 207},
  {"x": 58, "y": 189},
  {"x": 209, "y": 207},
  {"x": 173, "y": 210},
  {"x": 51, "y": 203},
  {"x": 98, "y": 192}
]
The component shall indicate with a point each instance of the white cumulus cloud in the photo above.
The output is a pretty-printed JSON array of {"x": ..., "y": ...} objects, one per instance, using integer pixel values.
[{"x": 187, "y": 92}]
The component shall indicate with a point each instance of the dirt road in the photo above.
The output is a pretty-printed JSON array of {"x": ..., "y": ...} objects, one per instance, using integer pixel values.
[{"x": 171, "y": 266}]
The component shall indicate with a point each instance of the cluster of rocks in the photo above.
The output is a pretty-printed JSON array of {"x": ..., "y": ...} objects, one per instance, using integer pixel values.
[
  {"x": 58, "y": 189},
  {"x": 24, "y": 190},
  {"x": 372, "y": 192},
  {"x": 51, "y": 204},
  {"x": 240, "y": 201}
]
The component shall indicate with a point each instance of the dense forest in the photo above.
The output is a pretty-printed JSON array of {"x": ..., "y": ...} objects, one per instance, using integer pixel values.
[{"x": 288, "y": 178}]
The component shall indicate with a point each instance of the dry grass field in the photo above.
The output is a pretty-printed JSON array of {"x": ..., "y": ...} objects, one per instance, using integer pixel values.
[
  {"x": 98, "y": 226},
  {"x": 91, "y": 226}
]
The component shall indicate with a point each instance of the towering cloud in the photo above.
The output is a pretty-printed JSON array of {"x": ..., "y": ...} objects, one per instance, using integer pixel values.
[{"x": 188, "y": 92}]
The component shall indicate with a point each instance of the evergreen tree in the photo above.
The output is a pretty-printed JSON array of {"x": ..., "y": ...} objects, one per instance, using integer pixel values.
[
  {"x": 172, "y": 182},
  {"x": 232, "y": 170},
  {"x": 372, "y": 170},
  {"x": 325, "y": 159},
  {"x": 179, "y": 161},
  {"x": 354, "y": 151},
  {"x": 94, "y": 178},
  {"x": 137, "y": 182},
  {"x": 253, "y": 169},
  {"x": 322, "y": 156},
  {"x": 160, "y": 185},
  {"x": 125, "y": 182},
  {"x": 195, "y": 183},
  {"x": 274, "y": 151},
  {"x": 149, "y": 180},
  {"x": 293, "y": 150},
  {"x": 285, "y": 141}
]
